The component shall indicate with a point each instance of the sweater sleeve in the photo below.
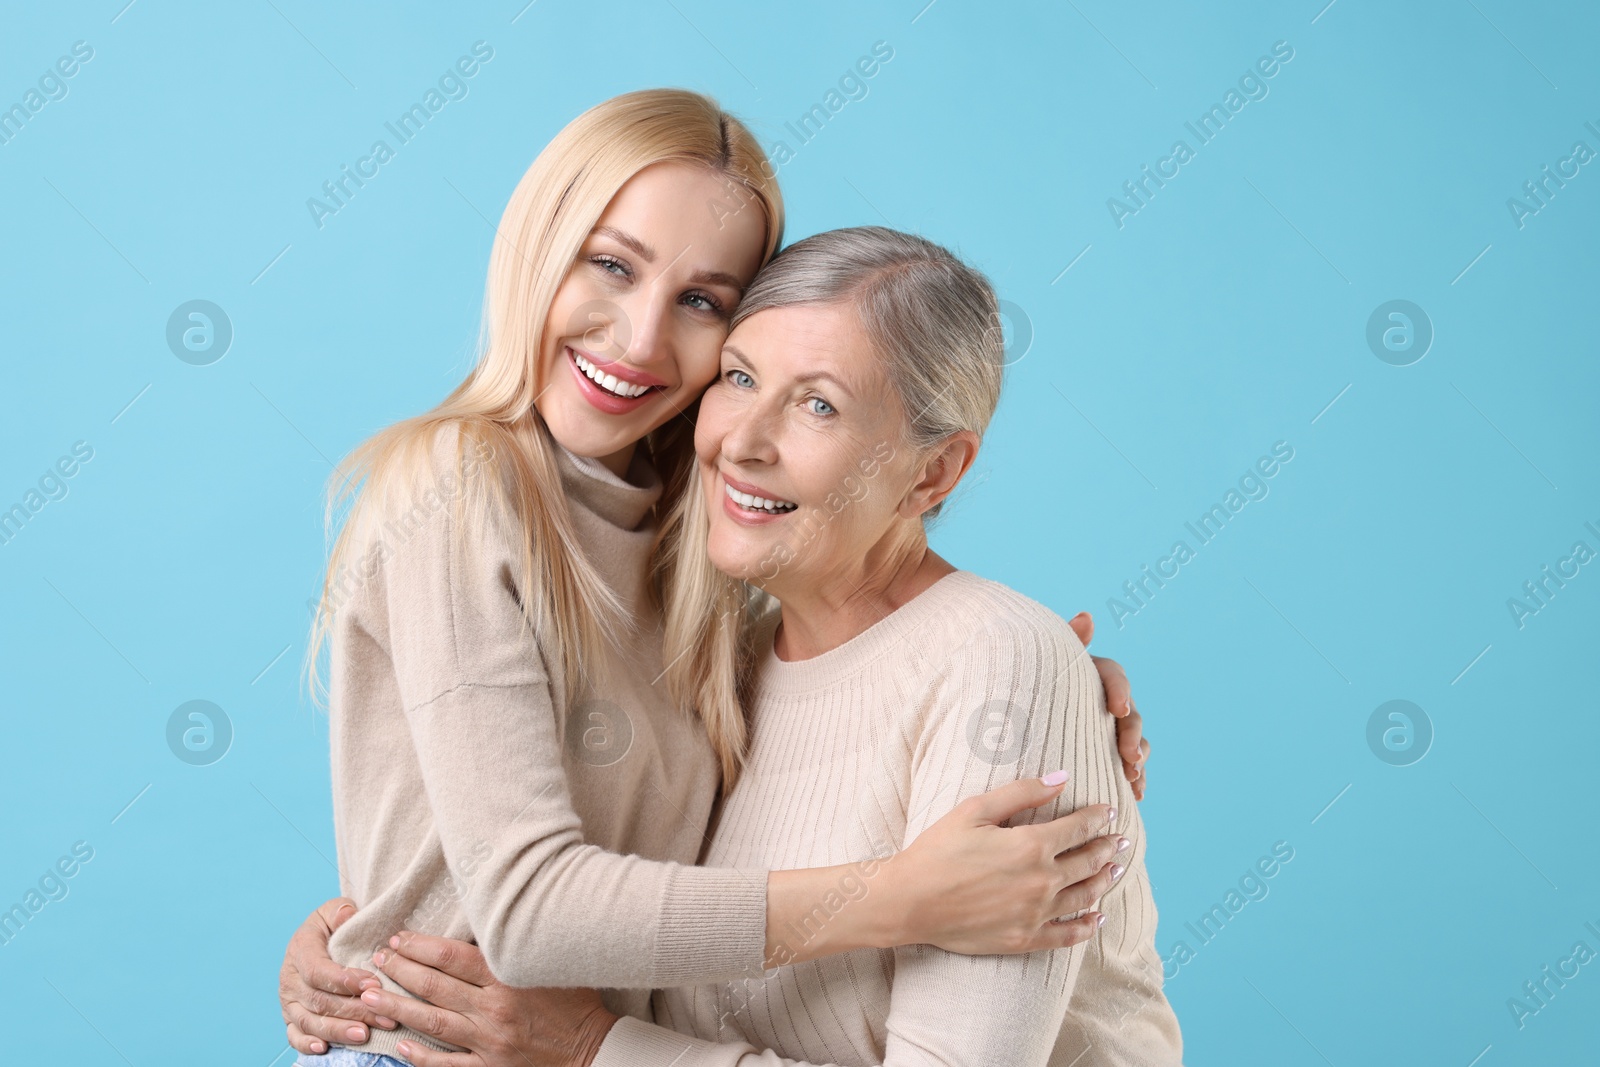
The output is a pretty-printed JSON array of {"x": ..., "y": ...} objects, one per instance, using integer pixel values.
[
  {"x": 1021, "y": 699},
  {"x": 1020, "y": 694},
  {"x": 546, "y": 908},
  {"x": 1016, "y": 701}
]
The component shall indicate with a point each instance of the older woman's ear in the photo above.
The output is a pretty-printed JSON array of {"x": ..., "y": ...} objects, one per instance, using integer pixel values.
[{"x": 939, "y": 474}]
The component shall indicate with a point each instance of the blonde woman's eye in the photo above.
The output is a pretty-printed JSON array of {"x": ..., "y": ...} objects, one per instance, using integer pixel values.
[
  {"x": 702, "y": 302},
  {"x": 611, "y": 266},
  {"x": 820, "y": 406},
  {"x": 740, "y": 379}
]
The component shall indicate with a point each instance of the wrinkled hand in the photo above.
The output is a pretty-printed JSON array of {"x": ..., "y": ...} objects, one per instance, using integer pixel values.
[
  {"x": 1131, "y": 743},
  {"x": 463, "y": 1004},
  {"x": 317, "y": 995}
]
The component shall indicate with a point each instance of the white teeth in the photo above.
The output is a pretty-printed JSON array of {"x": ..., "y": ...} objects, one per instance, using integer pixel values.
[
  {"x": 610, "y": 383},
  {"x": 758, "y": 503}
]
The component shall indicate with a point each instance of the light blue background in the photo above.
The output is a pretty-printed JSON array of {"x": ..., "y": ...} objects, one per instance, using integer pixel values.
[{"x": 1223, "y": 317}]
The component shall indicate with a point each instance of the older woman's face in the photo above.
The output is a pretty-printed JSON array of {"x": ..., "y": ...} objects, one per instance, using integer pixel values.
[{"x": 801, "y": 448}]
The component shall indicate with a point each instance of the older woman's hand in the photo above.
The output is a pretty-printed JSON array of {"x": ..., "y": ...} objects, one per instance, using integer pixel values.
[
  {"x": 317, "y": 995},
  {"x": 1131, "y": 744},
  {"x": 465, "y": 1005}
]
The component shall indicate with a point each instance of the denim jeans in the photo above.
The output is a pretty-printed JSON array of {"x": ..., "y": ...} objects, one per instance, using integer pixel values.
[{"x": 339, "y": 1056}]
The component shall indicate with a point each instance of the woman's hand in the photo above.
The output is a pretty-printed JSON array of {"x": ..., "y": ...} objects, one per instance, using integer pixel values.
[
  {"x": 969, "y": 884},
  {"x": 1131, "y": 745},
  {"x": 465, "y": 1005},
  {"x": 317, "y": 995}
]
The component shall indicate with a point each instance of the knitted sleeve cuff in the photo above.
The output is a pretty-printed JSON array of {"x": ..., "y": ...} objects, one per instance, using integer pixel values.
[{"x": 713, "y": 926}]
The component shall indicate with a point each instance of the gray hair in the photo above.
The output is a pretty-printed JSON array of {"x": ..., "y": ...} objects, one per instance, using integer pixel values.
[{"x": 933, "y": 319}]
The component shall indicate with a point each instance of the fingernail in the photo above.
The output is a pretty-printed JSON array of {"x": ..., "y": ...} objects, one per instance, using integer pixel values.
[
  {"x": 371, "y": 996},
  {"x": 1111, "y": 816},
  {"x": 378, "y": 957},
  {"x": 1116, "y": 871},
  {"x": 1100, "y": 919},
  {"x": 368, "y": 983},
  {"x": 318, "y": 1047},
  {"x": 1122, "y": 844},
  {"x": 404, "y": 1048},
  {"x": 1056, "y": 777},
  {"x": 394, "y": 942},
  {"x": 356, "y": 1033},
  {"x": 387, "y": 1023},
  {"x": 343, "y": 908}
]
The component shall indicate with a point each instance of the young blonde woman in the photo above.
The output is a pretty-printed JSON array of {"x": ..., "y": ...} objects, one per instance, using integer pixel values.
[
  {"x": 856, "y": 384},
  {"x": 515, "y": 761}
]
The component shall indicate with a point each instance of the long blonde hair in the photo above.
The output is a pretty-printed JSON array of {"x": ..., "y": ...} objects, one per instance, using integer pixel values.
[
  {"x": 550, "y": 215},
  {"x": 935, "y": 322}
]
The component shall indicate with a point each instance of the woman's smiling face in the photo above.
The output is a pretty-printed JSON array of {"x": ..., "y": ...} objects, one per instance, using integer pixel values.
[
  {"x": 633, "y": 334},
  {"x": 800, "y": 442}
]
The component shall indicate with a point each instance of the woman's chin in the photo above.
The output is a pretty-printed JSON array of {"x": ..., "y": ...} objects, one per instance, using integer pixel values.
[
  {"x": 731, "y": 552},
  {"x": 734, "y": 565},
  {"x": 585, "y": 437}
]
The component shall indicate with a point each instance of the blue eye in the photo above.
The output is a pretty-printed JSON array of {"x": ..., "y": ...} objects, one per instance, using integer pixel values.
[
  {"x": 611, "y": 266},
  {"x": 740, "y": 379},
  {"x": 822, "y": 407},
  {"x": 705, "y": 303}
]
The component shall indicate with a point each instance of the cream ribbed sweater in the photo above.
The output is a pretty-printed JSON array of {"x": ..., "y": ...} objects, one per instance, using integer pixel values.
[
  {"x": 854, "y": 753},
  {"x": 471, "y": 802}
]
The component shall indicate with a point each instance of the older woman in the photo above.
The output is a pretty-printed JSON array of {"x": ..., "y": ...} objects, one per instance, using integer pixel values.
[{"x": 889, "y": 688}]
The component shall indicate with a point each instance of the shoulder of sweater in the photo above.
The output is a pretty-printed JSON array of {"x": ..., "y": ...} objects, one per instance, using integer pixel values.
[
  {"x": 440, "y": 459},
  {"x": 432, "y": 499},
  {"x": 454, "y": 450},
  {"x": 988, "y": 614}
]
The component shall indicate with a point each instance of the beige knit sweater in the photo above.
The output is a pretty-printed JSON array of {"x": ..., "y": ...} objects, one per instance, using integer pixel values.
[
  {"x": 857, "y": 751},
  {"x": 472, "y": 802}
]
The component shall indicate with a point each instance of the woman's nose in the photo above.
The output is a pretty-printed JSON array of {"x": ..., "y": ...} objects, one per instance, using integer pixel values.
[
  {"x": 750, "y": 437},
  {"x": 645, "y": 329}
]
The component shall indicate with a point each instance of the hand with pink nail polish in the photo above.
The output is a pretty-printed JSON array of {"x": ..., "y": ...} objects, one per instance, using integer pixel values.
[
  {"x": 1132, "y": 747},
  {"x": 971, "y": 884}
]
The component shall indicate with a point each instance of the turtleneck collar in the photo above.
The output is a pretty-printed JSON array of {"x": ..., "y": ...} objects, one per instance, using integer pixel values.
[{"x": 621, "y": 502}]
